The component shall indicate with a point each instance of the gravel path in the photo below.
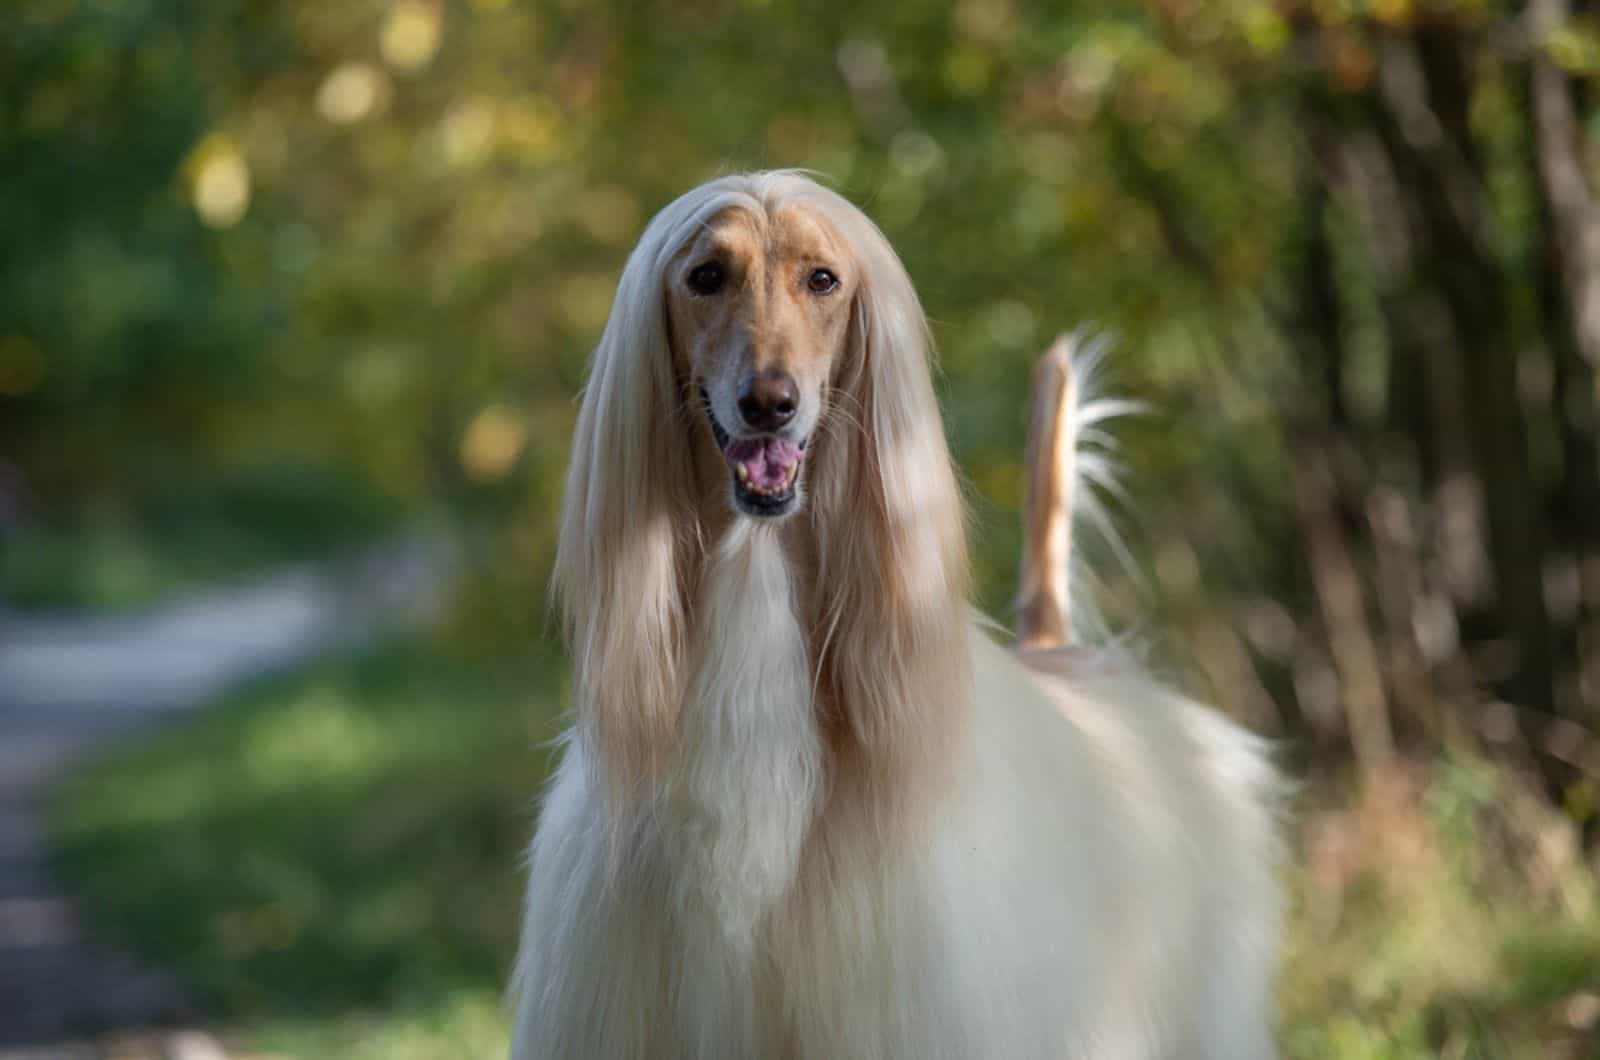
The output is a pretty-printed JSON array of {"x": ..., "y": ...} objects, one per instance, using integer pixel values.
[{"x": 68, "y": 689}]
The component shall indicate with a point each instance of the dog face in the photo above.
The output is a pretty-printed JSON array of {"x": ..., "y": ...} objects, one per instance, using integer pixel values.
[{"x": 760, "y": 308}]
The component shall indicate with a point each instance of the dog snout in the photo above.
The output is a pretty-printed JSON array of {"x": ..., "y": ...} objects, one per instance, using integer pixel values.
[{"x": 768, "y": 400}]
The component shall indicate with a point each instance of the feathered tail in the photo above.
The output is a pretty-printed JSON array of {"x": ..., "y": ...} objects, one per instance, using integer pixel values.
[{"x": 1067, "y": 452}]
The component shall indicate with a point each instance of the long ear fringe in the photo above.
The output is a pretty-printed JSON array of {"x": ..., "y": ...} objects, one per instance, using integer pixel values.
[
  {"x": 892, "y": 648},
  {"x": 616, "y": 580},
  {"x": 627, "y": 523}
]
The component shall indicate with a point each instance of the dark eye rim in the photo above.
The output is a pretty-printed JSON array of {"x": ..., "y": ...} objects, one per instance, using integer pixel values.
[
  {"x": 829, "y": 281},
  {"x": 706, "y": 278}
]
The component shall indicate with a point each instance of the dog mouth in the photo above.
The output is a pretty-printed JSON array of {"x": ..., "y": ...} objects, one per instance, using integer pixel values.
[{"x": 765, "y": 468}]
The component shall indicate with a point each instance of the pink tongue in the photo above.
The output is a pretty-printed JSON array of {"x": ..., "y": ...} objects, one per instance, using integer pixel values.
[{"x": 767, "y": 461}]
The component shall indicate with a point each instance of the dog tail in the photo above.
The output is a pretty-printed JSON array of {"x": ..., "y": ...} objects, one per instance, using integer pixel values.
[{"x": 1067, "y": 454}]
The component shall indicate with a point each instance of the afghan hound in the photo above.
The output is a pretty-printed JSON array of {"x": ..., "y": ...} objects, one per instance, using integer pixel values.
[{"x": 810, "y": 808}]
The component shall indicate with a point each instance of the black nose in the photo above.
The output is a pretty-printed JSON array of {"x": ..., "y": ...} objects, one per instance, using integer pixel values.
[{"x": 768, "y": 400}]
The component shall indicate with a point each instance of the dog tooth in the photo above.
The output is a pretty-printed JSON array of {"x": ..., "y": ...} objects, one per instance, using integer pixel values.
[{"x": 744, "y": 473}]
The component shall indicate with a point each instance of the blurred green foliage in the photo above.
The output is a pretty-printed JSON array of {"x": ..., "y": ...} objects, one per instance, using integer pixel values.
[
  {"x": 339, "y": 870},
  {"x": 177, "y": 533},
  {"x": 384, "y": 235}
]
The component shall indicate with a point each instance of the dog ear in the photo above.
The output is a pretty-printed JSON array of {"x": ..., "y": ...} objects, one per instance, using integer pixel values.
[
  {"x": 618, "y": 580},
  {"x": 893, "y": 616}
]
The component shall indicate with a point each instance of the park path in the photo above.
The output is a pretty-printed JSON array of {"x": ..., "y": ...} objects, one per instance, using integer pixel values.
[{"x": 69, "y": 688}]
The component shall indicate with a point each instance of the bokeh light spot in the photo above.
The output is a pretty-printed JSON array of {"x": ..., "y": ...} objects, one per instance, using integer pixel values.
[
  {"x": 410, "y": 36},
  {"x": 467, "y": 131},
  {"x": 219, "y": 182},
  {"x": 493, "y": 441},
  {"x": 351, "y": 92}
]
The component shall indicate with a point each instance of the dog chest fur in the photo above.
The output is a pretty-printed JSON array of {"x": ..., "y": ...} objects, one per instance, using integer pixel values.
[{"x": 748, "y": 910}]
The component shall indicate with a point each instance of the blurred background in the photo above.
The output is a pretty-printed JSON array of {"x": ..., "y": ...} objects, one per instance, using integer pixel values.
[{"x": 295, "y": 298}]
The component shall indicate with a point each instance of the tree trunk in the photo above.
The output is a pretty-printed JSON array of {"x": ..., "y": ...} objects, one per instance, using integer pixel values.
[{"x": 1425, "y": 93}]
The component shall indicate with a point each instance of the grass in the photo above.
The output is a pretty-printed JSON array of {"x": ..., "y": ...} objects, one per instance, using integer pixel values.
[
  {"x": 332, "y": 860},
  {"x": 1444, "y": 911}
]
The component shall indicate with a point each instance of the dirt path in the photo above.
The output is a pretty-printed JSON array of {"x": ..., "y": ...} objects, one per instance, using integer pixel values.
[{"x": 71, "y": 687}]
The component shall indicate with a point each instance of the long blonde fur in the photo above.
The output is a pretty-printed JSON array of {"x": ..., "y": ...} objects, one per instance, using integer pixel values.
[
  {"x": 886, "y": 513},
  {"x": 890, "y": 535},
  {"x": 809, "y": 808}
]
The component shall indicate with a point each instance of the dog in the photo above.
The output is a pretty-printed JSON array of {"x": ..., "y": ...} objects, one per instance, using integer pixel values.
[{"x": 809, "y": 807}]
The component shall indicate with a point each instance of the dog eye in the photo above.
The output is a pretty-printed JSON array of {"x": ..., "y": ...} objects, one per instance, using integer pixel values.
[
  {"x": 706, "y": 279},
  {"x": 822, "y": 281}
]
